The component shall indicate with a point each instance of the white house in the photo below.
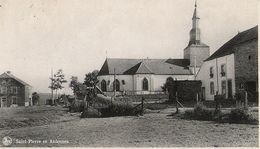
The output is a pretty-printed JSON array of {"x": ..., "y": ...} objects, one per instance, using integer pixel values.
[{"x": 233, "y": 67}]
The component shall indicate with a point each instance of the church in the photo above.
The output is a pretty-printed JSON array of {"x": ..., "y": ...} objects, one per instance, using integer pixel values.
[{"x": 147, "y": 76}]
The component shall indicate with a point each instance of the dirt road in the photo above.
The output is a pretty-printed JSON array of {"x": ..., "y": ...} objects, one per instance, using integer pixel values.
[{"x": 150, "y": 130}]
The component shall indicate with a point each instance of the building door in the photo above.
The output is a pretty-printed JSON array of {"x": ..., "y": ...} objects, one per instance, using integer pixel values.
[
  {"x": 251, "y": 86},
  {"x": 230, "y": 89},
  {"x": 251, "y": 89},
  {"x": 3, "y": 102}
]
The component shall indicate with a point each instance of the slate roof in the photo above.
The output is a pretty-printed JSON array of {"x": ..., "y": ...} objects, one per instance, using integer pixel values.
[
  {"x": 9, "y": 75},
  {"x": 240, "y": 38},
  {"x": 145, "y": 66}
]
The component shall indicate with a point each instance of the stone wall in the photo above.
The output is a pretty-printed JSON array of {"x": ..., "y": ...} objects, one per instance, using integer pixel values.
[
  {"x": 246, "y": 63},
  {"x": 19, "y": 95}
]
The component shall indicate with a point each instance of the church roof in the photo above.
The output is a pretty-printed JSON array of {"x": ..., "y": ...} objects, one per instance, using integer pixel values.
[
  {"x": 240, "y": 38},
  {"x": 9, "y": 75},
  {"x": 145, "y": 66}
]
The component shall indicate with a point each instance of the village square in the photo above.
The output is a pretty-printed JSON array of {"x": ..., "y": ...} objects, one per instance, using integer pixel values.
[{"x": 207, "y": 97}]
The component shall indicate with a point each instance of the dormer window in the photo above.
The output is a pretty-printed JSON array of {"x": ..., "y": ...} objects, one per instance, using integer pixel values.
[
  {"x": 211, "y": 74},
  {"x": 223, "y": 70}
]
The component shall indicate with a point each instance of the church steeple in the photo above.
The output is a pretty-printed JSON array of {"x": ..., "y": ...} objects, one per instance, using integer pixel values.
[
  {"x": 195, "y": 31},
  {"x": 196, "y": 52}
]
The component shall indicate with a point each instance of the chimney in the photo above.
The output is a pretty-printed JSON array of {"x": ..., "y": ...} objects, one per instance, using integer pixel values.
[{"x": 9, "y": 72}]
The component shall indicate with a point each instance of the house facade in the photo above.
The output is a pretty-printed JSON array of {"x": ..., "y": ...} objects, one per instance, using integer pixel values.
[
  {"x": 13, "y": 91},
  {"x": 147, "y": 76},
  {"x": 232, "y": 68}
]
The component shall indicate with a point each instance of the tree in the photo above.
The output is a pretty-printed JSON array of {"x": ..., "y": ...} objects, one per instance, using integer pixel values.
[
  {"x": 57, "y": 81},
  {"x": 35, "y": 98},
  {"x": 74, "y": 84},
  {"x": 77, "y": 87},
  {"x": 91, "y": 78}
]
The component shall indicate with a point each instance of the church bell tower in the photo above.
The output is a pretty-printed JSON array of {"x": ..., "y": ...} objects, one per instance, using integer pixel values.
[{"x": 196, "y": 51}]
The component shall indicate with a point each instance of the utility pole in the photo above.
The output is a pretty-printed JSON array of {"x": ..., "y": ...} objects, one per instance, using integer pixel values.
[
  {"x": 195, "y": 68},
  {"x": 52, "y": 98},
  {"x": 114, "y": 82}
]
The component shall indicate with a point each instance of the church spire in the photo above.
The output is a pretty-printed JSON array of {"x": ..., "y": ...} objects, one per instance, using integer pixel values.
[
  {"x": 195, "y": 11},
  {"x": 195, "y": 31}
]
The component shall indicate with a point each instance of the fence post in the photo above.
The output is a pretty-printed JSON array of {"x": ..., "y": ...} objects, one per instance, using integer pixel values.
[
  {"x": 176, "y": 100},
  {"x": 142, "y": 105},
  {"x": 197, "y": 98},
  {"x": 246, "y": 100},
  {"x": 87, "y": 109}
]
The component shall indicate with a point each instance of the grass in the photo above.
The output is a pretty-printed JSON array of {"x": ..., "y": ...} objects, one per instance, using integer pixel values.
[
  {"x": 32, "y": 116},
  {"x": 236, "y": 115}
]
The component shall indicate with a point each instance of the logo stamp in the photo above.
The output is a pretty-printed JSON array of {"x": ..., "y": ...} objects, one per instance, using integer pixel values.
[{"x": 7, "y": 141}]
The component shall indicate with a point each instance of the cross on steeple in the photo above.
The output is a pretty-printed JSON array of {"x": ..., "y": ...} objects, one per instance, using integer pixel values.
[{"x": 195, "y": 31}]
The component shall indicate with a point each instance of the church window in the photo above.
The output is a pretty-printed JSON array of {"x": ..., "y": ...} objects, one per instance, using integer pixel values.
[
  {"x": 123, "y": 82},
  {"x": 116, "y": 85},
  {"x": 145, "y": 84},
  {"x": 169, "y": 79},
  {"x": 103, "y": 86}
]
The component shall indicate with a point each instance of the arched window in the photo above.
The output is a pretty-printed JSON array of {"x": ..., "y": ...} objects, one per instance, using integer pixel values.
[
  {"x": 169, "y": 80},
  {"x": 117, "y": 85},
  {"x": 145, "y": 84},
  {"x": 103, "y": 86}
]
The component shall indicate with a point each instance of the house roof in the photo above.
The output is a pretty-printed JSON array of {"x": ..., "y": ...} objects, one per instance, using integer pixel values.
[
  {"x": 240, "y": 38},
  {"x": 145, "y": 66},
  {"x": 9, "y": 75}
]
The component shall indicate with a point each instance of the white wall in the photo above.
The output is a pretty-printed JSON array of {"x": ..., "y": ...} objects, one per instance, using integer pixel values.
[
  {"x": 135, "y": 82},
  {"x": 204, "y": 75},
  {"x": 129, "y": 85}
]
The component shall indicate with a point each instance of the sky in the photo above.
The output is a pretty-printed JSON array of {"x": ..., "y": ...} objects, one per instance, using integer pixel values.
[{"x": 78, "y": 35}]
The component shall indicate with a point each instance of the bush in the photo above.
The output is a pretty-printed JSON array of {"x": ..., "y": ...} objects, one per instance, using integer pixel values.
[
  {"x": 120, "y": 110},
  {"x": 90, "y": 113},
  {"x": 238, "y": 115},
  {"x": 77, "y": 106},
  {"x": 241, "y": 116},
  {"x": 200, "y": 112}
]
